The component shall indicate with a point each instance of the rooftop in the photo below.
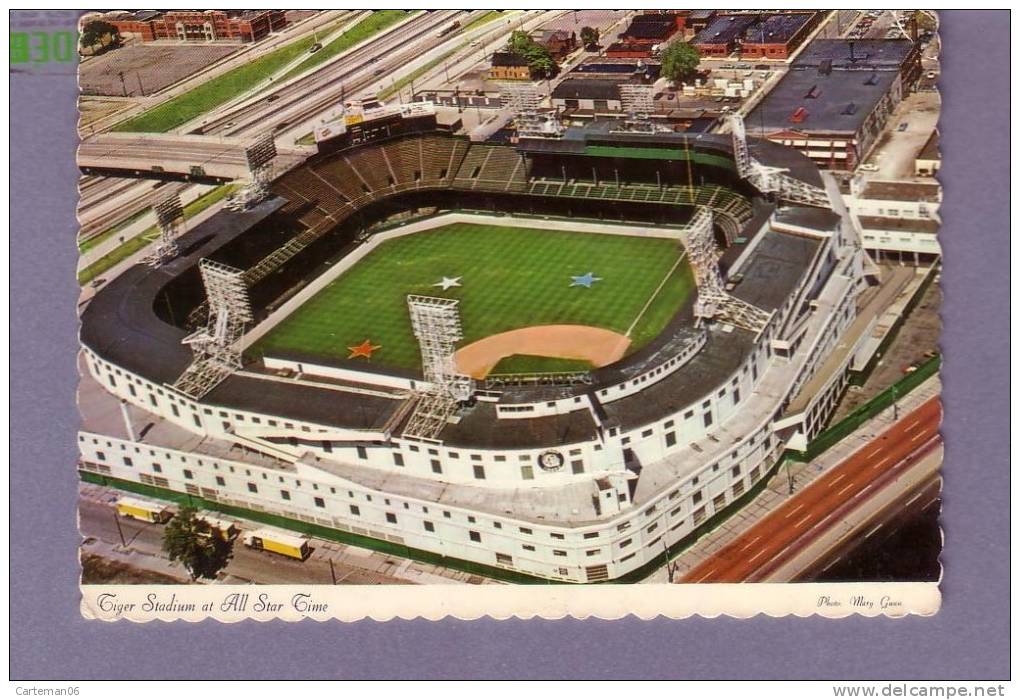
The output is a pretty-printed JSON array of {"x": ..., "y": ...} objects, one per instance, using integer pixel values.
[
  {"x": 724, "y": 29},
  {"x": 587, "y": 89},
  {"x": 776, "y": 28},
  {"x": 902, "y": 191},
  {"x": 809, "y": 99},
  {"x": 855, "y": 53},
  {"x": 505, "y": 58},
  {"x": 930, "y": 149}
]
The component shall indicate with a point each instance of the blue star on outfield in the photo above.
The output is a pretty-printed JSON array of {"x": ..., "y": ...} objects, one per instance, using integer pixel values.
[{"x": 586, "y": 280}]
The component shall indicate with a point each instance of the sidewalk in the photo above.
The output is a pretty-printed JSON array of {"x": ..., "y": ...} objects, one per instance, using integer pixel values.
[{"x": 799, "y": 475}]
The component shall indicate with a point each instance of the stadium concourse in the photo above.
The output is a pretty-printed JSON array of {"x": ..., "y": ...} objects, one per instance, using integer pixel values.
[{"x": 313, "y": 339}]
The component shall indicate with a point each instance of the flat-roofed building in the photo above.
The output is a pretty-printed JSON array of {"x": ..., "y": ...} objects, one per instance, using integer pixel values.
[
  {"x": 929, "y": 160},
  {"x": 778, "y": 35},
  {"x": 836, "y": 98}
]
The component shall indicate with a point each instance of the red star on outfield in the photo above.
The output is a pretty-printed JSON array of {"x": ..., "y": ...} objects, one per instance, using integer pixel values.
[{"x": 364, "y": 350}]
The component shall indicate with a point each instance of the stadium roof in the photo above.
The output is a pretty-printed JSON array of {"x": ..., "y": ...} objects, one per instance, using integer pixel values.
[
  {"x": 776, "y": 28},
  {"x": 724, "y": 30}
]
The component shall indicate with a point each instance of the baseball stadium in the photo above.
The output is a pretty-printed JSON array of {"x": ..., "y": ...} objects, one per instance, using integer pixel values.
[{"x": 557, "y": 359}]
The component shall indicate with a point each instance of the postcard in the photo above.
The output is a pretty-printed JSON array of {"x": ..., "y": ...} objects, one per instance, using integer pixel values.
[{"x": 512, "y": 313}]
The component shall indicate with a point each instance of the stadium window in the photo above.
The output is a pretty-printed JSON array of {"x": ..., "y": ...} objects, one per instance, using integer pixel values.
[
  {"x": 527, "y": 472},
  {"x": 362, "y": 452},
  {"x": 592, "y": 552},
  {"x": 626, "y": 542},
  {"x": 220, "y": 481},
  {"x": 646, "y": 433},
  {"x": 736, "y": 470},
  {"x": 252, "y": 487},
  {"x": 152, "y": 400},
  {"x": 670, "y": 439},
  {"x": 479, "y": 471},
  {"x": 590, "y": 535},
  {"x": 500, "y": 458},
  {"x": 188, "y": 474},
  {"x": 559, "y": 553},
  {"x": 528, "y": 547},
  {"x": 471, "y": 519},
  {"x": 475, "y": 536},
  {"x": 446, "y": 514},
  {"x": 708, "y": 418},
  {"x": 504, "y": 559},
  {"x": 652, "y": 528},
  {"x": 696, "y": 498},
  {"x": 128, "y": 462},
  {"x": 197, "y": 420},
  {"x": 391, "y": 518},
  {"x": 689, "y": 414},
  {"x": 525, "y": 530},
  {"x": 327, "y": 446},
  {"x": 284, "y": 494},
  {"x": 429, "y": 526},
  {"x": 577, "y": 466},
  {"x": 498, "y": 525},
  {"x": 131, "y": 390},
  {"x": 453, "y": 455},
  {"x": 437, "y": 467},
  {"x": 355, "y": 510},
  {"x": 736, "y": 396},
  {"x": 557, "y": 535},
  {"x": 398, "y": 459},
  {"x": 319, "y": 502}
]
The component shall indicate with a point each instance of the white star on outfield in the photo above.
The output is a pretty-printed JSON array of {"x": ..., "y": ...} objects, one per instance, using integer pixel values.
[
  {"x": 449, "y": 282},
  {"x": 585, "y": 281}
]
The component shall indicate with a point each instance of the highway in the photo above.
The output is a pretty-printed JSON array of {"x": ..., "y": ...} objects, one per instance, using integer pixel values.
[
  {"x": 305, "y": 96},
  {"x": 779, "y": 536}
]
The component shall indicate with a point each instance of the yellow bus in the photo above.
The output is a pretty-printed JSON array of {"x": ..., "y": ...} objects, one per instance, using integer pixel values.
[
  {"x": 138, "y": 509},
  {"x": 218, "y": 527},
  {"x": 293, "y": 546}
]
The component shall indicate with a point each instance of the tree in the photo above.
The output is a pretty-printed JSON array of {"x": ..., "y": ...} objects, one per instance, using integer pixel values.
[
  {"x": 680, "y": 62},
  {"x": 92, "y": 34},
  {"x": 190, "y": 541},
  {"x": 589, "y": 38},
  {"x": 541, "y": 64}
]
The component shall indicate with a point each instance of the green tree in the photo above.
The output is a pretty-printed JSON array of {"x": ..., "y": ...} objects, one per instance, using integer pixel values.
[
  {"x": 188, "y": 540},
  {"x": 680, "y": 62},
  {"x": 541, "y": 64},
  {"x": 589, "y": 37},
  {"x": 92, "y": 34}
]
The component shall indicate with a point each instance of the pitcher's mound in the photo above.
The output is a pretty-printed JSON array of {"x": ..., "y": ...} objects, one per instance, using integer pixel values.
[{"x": 598, "y": 346}]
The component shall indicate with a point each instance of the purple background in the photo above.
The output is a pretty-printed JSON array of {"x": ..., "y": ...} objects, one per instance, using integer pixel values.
[{"x": 967, "y": 639}]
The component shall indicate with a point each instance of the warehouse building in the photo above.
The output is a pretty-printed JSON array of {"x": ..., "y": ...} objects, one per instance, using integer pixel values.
[{"x": 837, "y": 98}]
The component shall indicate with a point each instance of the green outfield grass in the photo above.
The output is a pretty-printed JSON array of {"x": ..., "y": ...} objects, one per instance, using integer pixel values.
[{"x": 512, "y": 278}]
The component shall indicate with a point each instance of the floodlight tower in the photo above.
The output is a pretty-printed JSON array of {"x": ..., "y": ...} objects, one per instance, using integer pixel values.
[
  {"x": 636, "y": 100},
  {"x": 214, "y": 347},
  {"x": 258, "y": 157},
  {"x": 768, "y": 179},
  {"x": 436, "y": 324},
  {"x": 525, "y": 102},
  {"x": 713, "y": 301},
  {"x": 169, "y": 215}
]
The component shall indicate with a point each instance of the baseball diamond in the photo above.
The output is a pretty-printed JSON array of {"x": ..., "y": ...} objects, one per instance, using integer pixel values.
[{"x": 512, "y": 278}]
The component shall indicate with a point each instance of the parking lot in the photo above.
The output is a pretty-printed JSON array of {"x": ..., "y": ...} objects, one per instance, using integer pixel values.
[{"x": 142, "y": 69}]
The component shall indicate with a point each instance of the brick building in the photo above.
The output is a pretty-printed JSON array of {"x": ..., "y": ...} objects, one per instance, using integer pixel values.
[
  {"x": 199, "y": 25},
  {"x": 778, "y": 35},
  {"x": 509, "y": 66}
]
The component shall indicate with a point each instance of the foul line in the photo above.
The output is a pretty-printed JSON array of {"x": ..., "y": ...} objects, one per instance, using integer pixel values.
[{"x": 683, "y": 256}]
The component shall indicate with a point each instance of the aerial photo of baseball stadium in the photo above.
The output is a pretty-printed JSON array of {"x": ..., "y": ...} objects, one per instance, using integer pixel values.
[{"x": 481, "y": 297}]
